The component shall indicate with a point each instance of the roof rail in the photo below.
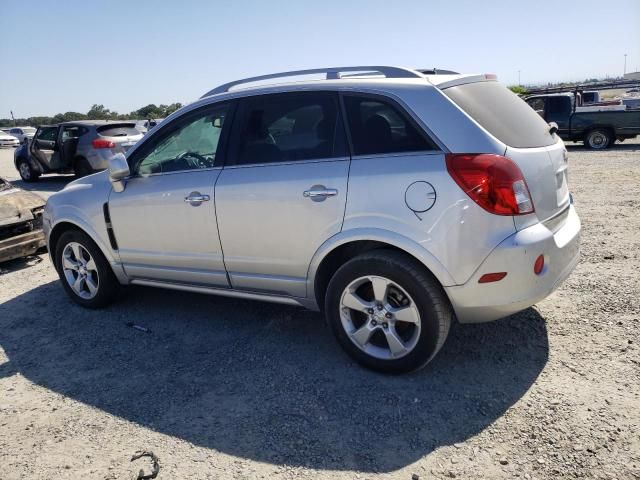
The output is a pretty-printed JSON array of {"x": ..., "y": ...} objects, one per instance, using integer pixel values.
[
  {"x": 436, "y": 71},
  {"x": 331, "y": 74}
]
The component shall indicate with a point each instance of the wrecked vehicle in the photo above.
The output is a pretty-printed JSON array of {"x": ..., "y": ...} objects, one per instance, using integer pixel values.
[{"x": 20, "y": 222}]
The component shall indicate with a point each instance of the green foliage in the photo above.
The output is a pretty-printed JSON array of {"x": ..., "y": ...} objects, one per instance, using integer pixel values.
[
  {"x": 96, "y": 112},
  {"x": 517, "y": 89}
]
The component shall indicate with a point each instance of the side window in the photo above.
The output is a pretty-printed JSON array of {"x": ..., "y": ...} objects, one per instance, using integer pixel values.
[
  {"x": 538, "y": 105},
  {"x": 289, "y": 127},
  {"x": 188, "y": 143},
  {"x": 48, "y": 134},
  {"x": 377, "y": 126},
  {"x": 15, "y": 130},
  {"x": 558, "y": 104},
  {"x": 73, "y": 132}
]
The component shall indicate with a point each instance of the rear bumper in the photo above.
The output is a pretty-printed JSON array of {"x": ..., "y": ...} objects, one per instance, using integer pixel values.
[
  {"x": 21, "y": 245},
  {"x": 476, "y": 302}
]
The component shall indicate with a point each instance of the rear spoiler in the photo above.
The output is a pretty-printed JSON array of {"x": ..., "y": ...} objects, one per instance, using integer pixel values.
[{"x": 447, "y": 81}]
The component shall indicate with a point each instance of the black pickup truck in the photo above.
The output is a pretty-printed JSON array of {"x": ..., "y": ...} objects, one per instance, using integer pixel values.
[{"x": 598, "y": 129}]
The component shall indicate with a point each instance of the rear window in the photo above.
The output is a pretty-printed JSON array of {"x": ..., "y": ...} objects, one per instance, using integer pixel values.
[
  {"x": 502, "y": 113},
  {"x": 118, "y": 130}
]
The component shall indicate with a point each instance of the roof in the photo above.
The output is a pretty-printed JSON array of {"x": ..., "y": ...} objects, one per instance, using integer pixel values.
[
  {"x": 89, "y": 122},
  {"x": 95, "y": 122},
  {"x": 339, "y": 75}
]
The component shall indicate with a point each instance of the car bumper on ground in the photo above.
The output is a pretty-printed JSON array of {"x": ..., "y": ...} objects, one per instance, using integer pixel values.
[
  {"x": 476, "y": 302},
  {"x": 21, "y": 245}
]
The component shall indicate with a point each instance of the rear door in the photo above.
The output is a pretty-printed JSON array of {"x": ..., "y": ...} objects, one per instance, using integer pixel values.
[
  {"x": 44, "y": 145},
  {"x": 283, "y": 191}
]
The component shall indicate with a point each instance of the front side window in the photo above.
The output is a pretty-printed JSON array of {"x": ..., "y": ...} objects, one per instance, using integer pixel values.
[
  {"x": 377, "y": 126},
  {"x": 558, "y": 104},
  {"x": 189, "y": 143},
  {"x": 48, "y": 134},
  {"x": 289, "y": 127}
]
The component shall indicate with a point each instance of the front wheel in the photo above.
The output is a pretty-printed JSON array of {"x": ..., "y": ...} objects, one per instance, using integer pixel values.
[
  {"x": 388, "y": 312},
  {"x": 598, "y": 139},
  {"x": 84, "y": 271},
  {"x": 26, "y": 171}
]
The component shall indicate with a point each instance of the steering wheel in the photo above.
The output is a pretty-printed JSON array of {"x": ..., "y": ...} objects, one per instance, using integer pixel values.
[{"x": 195, "y": 160}]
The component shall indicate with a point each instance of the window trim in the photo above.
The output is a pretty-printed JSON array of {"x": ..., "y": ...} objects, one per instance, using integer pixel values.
[
  {"x": 231, "y": 161},
  {"x": 152, "y": 140}
]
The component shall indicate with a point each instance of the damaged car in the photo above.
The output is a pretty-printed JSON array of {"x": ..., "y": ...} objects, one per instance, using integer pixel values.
[{"x": 20, "y": 222}]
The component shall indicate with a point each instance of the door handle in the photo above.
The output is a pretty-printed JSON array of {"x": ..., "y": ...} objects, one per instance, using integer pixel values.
[
  {"x": 318, "y": 193},
  {"x": 196, "y": 198}
]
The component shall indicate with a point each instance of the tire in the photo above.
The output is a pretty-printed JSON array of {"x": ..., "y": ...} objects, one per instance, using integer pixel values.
[
  {"x": 82, "y": 168},
  {"x": 598, "y": 139},
  {"x": 70, "y": 246},
  {"x": 26, "y": 171},
  {"x": 411, "y": 291}
]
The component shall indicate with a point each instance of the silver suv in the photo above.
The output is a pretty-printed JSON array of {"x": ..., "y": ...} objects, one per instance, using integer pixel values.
[{"x": 393, "y": 200}]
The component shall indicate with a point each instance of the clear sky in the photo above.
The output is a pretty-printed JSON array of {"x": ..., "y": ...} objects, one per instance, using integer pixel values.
[{"x": 60, "y": 56}]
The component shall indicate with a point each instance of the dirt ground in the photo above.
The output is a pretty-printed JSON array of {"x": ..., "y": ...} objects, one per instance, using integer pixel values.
[{"x": 224, "y": 388}]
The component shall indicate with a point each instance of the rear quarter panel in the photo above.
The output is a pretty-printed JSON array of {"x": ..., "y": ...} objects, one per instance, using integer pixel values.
[{"x": 455, "y": 230}]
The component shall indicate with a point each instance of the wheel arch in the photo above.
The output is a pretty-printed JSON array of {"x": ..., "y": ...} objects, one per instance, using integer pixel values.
[
  {"x": 346, "y": 245},
  {"x": 66, "y": 225},
  {"x": 607, "y": 128}
]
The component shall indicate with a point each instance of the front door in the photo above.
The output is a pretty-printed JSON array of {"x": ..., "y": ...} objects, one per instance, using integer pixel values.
[
  {"x": 43, "y": 146},
  {"x": 165, "y": 221},
  {"x": 282, "y": 192}
]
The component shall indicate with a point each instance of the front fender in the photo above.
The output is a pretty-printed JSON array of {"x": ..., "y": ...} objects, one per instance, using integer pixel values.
[
  {"x": 64, "y": 207},
  {"x": 380, "y": 235}
]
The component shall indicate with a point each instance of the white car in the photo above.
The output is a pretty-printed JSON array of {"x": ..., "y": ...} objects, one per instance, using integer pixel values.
[
  {"x": 7, "y": 140},
  {"x": 22, "y": 133}
]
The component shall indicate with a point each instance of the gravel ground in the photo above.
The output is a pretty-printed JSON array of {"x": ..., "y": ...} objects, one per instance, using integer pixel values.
[{"x": 223, "y": 388}]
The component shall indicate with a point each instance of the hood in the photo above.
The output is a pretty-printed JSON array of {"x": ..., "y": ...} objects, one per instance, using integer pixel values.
[{"x": 17, "y": 205}]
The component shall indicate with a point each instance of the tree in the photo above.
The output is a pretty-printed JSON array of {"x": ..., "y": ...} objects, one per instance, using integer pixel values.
[
  {"x": 98, "y": 112},
  {"x": 68, "y": 117},
  {"x": 169, "y": 109},
  {"x": 150, "y": 111}
]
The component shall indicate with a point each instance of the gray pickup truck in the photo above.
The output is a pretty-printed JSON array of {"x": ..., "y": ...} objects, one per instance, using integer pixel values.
[
  {"x": 597, "y": 129},
  {"x": 81, "y": 147}
]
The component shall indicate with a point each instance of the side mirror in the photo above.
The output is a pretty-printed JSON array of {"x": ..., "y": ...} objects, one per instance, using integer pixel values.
[{"x": 118, "y": 171}]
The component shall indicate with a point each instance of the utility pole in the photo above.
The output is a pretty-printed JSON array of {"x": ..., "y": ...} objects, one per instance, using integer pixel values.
[
  {"x": 13, "y": 118},
  {"x": 519, "y": 84},
  {"x": 625, "y": 65}
]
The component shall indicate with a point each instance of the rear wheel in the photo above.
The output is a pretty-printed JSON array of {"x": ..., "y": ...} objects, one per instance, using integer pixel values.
[
  {"x": 388, "y": 312},
  {"x": 598, "y": 139},
  {"x": 82, "y": 168},
  {"x": 84, "y": 271},
  {"x": 26, "y": 171}
]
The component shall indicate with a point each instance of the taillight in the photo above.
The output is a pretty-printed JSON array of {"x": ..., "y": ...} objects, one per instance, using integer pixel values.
[
  {"x": 102, "y": 143},
  {"x": 492, "y": 181}
]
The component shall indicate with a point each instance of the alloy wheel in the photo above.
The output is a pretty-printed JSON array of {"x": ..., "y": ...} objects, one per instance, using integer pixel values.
[
  {"x": 80, "y": 270},
  {"x": 25, "y": 171},
  {"x": 380, "y": 317}
]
